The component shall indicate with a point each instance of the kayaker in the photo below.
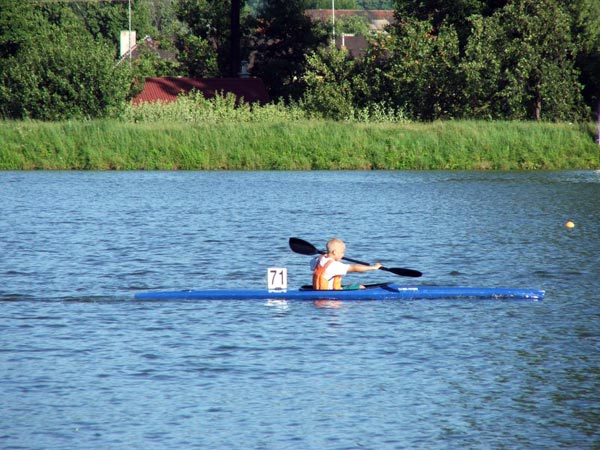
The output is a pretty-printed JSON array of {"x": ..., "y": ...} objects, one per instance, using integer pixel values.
[{"x": 328, "y": 269}]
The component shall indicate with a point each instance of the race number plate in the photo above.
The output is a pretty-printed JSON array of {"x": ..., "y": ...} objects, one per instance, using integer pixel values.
[{"x": 277, "y": 279}]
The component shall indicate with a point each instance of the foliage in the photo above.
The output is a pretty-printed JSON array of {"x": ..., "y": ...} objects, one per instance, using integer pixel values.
[
  {"x": 358, "y": 25},
  {"x": 488, "y": 59},
  {"x": 19, "y": 26},
  {"x": 514, "y": 59},
  {"x": 282, "y": 37},
  {"x": 377, "y": 113},
  {"x": 149, "y": 64},
  {"x": 454, "y": 13},
  {"x": 520, "y": 64},
  {"x": 197, "y": 56},
  {"x": 106, "y": 20},
  {"x": 204, "y": 39},
  {"x": 416, "y": 70},
  {"x": 56, "y": 71},
  {"x": 328, "y": 78},
  {"x": 585, "y": 29},
  {"x": 195, "y": 108},
  {"x": 203, "y": 42},
  {"x": 41, "y": 83},
  {"x": 162, "y": 16}
]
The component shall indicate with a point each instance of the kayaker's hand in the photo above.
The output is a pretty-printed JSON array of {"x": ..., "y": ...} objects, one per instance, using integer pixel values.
[{"x": 377, "y": 266}]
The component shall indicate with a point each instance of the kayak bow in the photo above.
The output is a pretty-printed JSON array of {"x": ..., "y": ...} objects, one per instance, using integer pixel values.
[{"x": 387, "y": 291}]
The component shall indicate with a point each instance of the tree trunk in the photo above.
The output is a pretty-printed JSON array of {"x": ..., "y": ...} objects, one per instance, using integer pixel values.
[
  {"x": 235, "y": 59},
  {"x": 538, "y": 107}
]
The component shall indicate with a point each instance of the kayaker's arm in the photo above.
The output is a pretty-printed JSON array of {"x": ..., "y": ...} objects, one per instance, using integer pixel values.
[{"x": 363, "y": 268}]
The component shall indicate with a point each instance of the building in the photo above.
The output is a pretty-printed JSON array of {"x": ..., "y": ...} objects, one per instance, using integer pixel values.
[{"x": 166, "y": 89}]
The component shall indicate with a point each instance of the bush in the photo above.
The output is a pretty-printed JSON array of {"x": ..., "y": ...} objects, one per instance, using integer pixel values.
[
  {"x": 223, "y": 108},
  {"x": 63, "y": 74}
]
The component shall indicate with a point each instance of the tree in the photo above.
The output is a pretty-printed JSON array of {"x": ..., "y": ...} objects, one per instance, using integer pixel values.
[
  {"x": 162, "y": 16},
  {"x": 204, "y": 42},
  {"x": 519, "y": 64},
  {"x": 355, "y": 24},
  {"x": 53, "y": 69},
  {"x": 329, "y": 89},
  {"x": 107, "y": 19},
  {"x": 197, "y": 56},
  {"x": 150, "y": 64},
  {"x": 283, "y": 35},
  {"x": 20, "y": 24},
  {"x": 454, "y": 13},
  {"x": 585, "y": 29},
  {"x": 417, "y": 70}
]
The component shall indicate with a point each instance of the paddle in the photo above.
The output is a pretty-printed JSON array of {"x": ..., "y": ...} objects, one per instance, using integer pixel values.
[{"x": 306, "y": 248}]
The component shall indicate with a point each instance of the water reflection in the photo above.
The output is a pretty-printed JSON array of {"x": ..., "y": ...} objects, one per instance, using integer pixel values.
[{"x": 332, "y": 304}]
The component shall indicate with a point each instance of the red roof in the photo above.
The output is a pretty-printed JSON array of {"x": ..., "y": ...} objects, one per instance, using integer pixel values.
[{"x": 166, "y": 89}]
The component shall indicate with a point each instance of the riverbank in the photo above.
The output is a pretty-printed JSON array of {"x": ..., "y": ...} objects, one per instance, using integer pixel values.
[{"x": 297, "y": 145}]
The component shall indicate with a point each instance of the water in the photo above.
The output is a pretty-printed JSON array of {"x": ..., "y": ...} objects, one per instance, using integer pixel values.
[{"x": 84, "y": 366}]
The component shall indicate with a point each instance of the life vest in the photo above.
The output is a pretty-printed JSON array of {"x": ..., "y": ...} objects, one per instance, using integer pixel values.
[{"x": 320, "y": 283}]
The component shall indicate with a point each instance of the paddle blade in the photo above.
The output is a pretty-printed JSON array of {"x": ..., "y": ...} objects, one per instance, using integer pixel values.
[
  {"x": 403, "y": 272},
  {"x": 302, "y": 247}
]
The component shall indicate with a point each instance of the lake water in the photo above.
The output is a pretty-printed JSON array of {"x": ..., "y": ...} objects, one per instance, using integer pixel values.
[{"x": 84, "y": 366}]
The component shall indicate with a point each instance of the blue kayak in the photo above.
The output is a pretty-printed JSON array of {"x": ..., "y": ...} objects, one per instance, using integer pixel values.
[{"x": 387, "y": 291}]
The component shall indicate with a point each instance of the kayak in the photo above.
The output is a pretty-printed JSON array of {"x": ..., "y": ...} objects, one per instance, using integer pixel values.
[{"x": 386, "y": 291}]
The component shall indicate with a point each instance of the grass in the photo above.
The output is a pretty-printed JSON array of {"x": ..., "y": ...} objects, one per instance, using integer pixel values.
[{"x": 281, "y": 138}]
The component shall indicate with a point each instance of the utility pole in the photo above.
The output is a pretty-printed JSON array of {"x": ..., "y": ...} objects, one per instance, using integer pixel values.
[
  {"x": 333, "y": 20},
  {"x": 129, "y": 35}
]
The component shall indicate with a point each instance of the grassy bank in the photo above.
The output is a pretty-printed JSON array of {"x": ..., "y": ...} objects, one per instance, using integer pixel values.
[{"x": 297, "y": 145}]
